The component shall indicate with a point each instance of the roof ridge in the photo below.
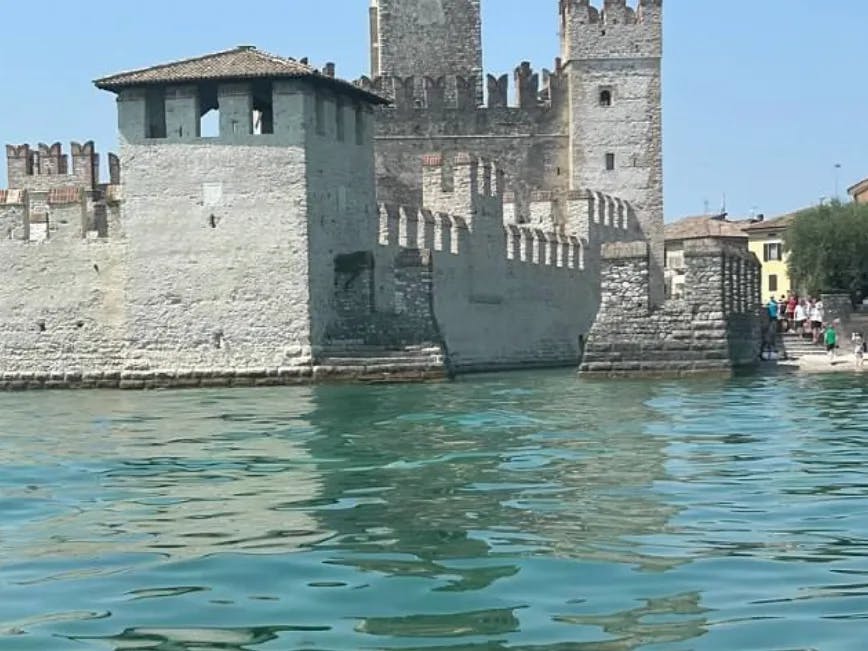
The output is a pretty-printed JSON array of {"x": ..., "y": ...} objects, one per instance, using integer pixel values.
[{"x": 169, "y": 64}]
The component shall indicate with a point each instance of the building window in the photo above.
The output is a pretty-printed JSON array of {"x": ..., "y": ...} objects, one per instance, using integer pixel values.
[
  {"x": 155, "y": 113},
  {"x": 319, "y": 110},
  {"x": 263, "y": 109},
  {"x": 610, "y": 162},
  {"x": 773, "y": 283},
  {"x": 773, "y": 252},
  {"x": 605, "y": 97},
  {"x": 360, "y": 125},
  {"x": 339, "y": 120}
]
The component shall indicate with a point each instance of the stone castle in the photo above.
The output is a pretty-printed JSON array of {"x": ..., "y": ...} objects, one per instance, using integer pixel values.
[{"x": 414, "y": 224}]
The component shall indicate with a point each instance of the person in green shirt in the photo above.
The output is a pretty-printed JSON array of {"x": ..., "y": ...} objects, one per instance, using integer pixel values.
[{"x": 831, "y": 339}]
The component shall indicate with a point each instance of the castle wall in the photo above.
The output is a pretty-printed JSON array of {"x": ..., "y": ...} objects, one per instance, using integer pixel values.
[
  {"x": 526, "y": 135},
  {"x": 218, "y": 250},
  {"x": 341, "y": 201},
  {"x": 501, "y": 296},
  {"x": 62, "y": 311}
]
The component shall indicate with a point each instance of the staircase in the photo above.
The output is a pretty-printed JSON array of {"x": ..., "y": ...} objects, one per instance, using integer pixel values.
[
  {"x": 793, "y": 346},
  {"x": 361, "y": 362}
]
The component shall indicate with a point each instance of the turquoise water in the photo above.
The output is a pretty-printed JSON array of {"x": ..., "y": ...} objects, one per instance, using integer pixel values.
[{"x": 529, "y": 512}]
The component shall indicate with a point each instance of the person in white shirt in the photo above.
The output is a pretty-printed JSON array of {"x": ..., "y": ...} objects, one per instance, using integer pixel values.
[
  {"x": 816, "y": 317},
  {"x": 801, "y": 315}
]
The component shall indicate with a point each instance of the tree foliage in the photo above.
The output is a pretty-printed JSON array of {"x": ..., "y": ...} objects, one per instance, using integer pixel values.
[{"x": 828, "y": 249}]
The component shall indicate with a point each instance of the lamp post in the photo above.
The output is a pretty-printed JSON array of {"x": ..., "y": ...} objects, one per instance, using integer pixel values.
[{"x": 837, "y": 171}]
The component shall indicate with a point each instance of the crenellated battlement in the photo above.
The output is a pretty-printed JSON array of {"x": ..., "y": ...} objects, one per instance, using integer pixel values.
[
  {"x": 614, "y": 30},
  {"x": 542, "y": 247},
  {"x": 463, "y": 185},
  {"x": 532, "y": 90},
  {"x": 419, "y": 228},
  {"x": 590, "y": 215},
  {"x": 612, "y": 12},
  {"x": 47, "y": 166}
]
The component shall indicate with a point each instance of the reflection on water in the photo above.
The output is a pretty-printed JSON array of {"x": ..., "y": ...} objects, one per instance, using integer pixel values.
[{"x": 527, "y": 511}]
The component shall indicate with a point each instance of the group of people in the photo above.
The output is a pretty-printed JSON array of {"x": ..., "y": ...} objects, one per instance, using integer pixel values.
[{"x": 807, "y": 317}]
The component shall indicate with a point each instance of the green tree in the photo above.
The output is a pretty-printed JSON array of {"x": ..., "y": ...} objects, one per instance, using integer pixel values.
[{"x": 828, "y": 249}]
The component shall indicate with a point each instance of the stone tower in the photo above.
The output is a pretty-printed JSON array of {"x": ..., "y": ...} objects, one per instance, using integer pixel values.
[
  {"x": 427, "y": 38},
  {"x": 612, "y": 58}
]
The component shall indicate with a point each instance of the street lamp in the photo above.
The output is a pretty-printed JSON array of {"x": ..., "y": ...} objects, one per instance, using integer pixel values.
[{"x": 837, "y": 171}]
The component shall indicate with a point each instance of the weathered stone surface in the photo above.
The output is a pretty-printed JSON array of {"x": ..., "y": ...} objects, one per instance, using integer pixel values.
[{"x": 680, "y": 337}]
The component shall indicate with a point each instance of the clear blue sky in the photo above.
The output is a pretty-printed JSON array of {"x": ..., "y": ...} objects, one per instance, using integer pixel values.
[{"x": 761, "y": 99}]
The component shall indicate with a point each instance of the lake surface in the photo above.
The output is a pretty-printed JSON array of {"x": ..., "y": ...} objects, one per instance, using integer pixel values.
[{"x": 526, "y": 512}]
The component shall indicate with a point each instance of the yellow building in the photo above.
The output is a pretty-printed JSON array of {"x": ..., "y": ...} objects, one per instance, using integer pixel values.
[
  {"x": 859, "y": 192},
  {"x": 766, "y": 241}
]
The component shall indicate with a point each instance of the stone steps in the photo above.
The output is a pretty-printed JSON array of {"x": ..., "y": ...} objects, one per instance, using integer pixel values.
[{"x": 361, "y": 362}]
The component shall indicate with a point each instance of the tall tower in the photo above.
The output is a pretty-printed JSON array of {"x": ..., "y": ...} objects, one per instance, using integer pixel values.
[
  {"x": 427, "y": 38},
  {"x": 612, "y": 58}
]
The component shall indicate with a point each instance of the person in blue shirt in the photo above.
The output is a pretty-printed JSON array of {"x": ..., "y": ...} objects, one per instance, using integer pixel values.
[{"x": 771, "y": 333}]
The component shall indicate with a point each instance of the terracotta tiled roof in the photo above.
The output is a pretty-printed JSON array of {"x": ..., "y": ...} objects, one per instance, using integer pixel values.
[
  {"x": 692, "y": 228},
  {"x": 858, "y": 188},
  {"x": 68, "y": 194},
  {"x": 772, "y": 224},
  {"x": 244, "y": 62}
]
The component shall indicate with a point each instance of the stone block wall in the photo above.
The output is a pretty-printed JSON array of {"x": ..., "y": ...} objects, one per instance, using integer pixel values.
[
  {"x": 837, "y": 306},
  {"x": 715, "y": 329},
  {"x": 526, "y": 134}
]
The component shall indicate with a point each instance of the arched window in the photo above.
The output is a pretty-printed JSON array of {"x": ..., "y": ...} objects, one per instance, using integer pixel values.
[{"x": 605, "y": 97}]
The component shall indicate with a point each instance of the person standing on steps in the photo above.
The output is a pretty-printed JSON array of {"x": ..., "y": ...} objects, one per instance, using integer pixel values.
[
  {"x": 860, "y": 349},
  {"x": 770, "y": 339},
  {"x": 800, "y": 316},
  {"x": 817, "y": 314},
  {"x": 831, "y": 339}
]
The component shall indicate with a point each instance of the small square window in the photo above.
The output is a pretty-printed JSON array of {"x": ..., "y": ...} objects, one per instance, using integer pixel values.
[
  {"x": 605, "y": 97},
  {"x": 610, "y": 162},
  {"x": 773, "y": 252}
]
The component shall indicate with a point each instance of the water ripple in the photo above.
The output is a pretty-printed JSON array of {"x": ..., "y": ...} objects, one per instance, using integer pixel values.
[{"x": 527, "y": 512}]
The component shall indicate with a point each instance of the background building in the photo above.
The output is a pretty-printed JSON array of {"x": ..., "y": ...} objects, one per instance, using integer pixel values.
[{"x": 766, "y": 241}]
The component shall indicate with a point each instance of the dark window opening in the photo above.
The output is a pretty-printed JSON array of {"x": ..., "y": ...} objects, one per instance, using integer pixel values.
[
  {"x": 209, "y": 113},
  {"x": 319, "y": 110},
  {"x": 360, "y": 125},
  {"x": 773, "y": 252},
  {"x": 263, "y": 109},
  {"x": 773, "y": 283},
  {"x": 339, "y": 120},
  {"x": 212, "y": 220},
  {"x": 610, "y": 162},
  {"x": 606, "y": 97},
  {"x": 155, "y": 113}
]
